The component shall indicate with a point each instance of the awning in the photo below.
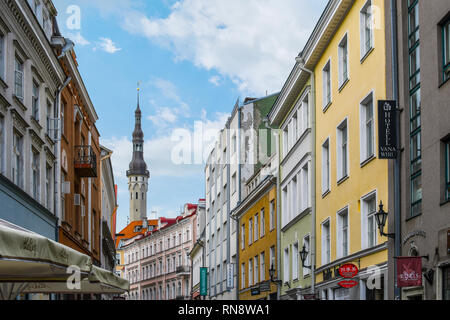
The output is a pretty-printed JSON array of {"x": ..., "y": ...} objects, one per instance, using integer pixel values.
[
  {"x": 26, "y": 256},
  {"x": 100, "y": 281}
]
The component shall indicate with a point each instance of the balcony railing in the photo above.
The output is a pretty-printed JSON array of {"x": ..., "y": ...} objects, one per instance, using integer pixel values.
[
  {"x": 85, "y": 161},
  {"x": 183, "y": 270}
]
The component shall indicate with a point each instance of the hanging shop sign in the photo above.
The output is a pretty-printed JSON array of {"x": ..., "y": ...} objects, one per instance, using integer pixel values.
[
  {"x": 348, "y": 271},
  {"x": 203, "y": 281},
  {"x": 387, "y": 129},
  {"x": 409, "y": 271}
]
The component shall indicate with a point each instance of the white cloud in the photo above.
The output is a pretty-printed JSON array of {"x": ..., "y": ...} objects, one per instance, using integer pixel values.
[
  {"x": 107, "y": 45},
  {"x": 78, "y": 39},
  {"x": 215, "y": 80},
  {"x": 253, "y": 43}
]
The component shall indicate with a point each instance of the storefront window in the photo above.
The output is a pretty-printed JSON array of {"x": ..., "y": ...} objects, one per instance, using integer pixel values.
[{"x": 446, "y": 283}]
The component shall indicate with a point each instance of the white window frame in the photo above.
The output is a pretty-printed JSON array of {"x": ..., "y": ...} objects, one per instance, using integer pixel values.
[
  {"x": 363, "y": 21},
  {"x": 343, "y": 72},
  {"x": 339, "y": 154},
  {"x": 339, "y": 232},
  {"x": 327, "y": 85},
  {"x": 272, "y": 214},
  {"x": 250, "y": 272},
  {"x": 250, "y": 231},
  {"x": 304, "y": 182},
  {"x": 295, "y": 260},
  {"x": 262, "y": 269},
  {"x": 262, "y": 224},
  {"x": 242, "y": 275},
  {"x": 326, "y": 166},
  {"x": 256, "y": 225},
  {"x": 17, "y": 163},
  {"x": 19, "y": 72},
  {"x": 256, "y": 269},
  {"x": 286, "y": 264},
  {"x": 2, "y": 55},
  {"x": 35, "y": 99},
  {"x": 326, "y": 242},
  {"x": 365, "y": 242},
  {"x": 243, "y": 236},
  {"x": 307, "y": 243},
  {"x": 367, "y": 103}
]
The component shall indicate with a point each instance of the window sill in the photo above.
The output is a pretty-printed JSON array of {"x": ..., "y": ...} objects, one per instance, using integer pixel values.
[
  {"x": 443, "y": 83},
  {"x": 340, "y": 181},
  {"x": 3, "y": 83},
  {"x": 444, "y": 202},
  {"x": 365, "y": 162},
  {"x": 325, "y": 193},
  {"x": 366, "y": 55},
  {"x": 342, "y": 86},
  {"x": 20, "y": 103},
  {"x": 325, "y": 108},
  {"x": 412, "y": 217}
]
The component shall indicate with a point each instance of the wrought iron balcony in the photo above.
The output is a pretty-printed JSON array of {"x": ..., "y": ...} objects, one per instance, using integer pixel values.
[{"x": 85, "y": 161}]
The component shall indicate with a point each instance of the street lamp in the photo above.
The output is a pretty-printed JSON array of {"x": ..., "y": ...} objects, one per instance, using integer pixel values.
[
  {"x": 303, "y": 256},
  {"x": 272, "y": 275},
  {"x": 381, "y": 217}
]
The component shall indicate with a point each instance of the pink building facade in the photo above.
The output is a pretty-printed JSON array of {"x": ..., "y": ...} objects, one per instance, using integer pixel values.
[{"x": 157, "y": 263}]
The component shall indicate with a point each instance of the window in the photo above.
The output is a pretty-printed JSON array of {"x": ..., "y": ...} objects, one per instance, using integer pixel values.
[
  {"x": 369, "y": 232},
  {"x": 272, "y": 258},
  {"x": 233, "y": 183},
  {"x": 326, "y": 78},
  {"x": 63, "y": 110},
  {"x": 18, "y": 79},
  {"x": 303, "y": 116},
  {"x": 256, "y": 231},
  {"x": 342, "y": 233},
  {"x": 286, "y": 209},
  {"x": 306, "y": 241},
  {"x": 305, "y": 187},
  {"x": 286, "y": 275},
  {"x": 256, "y": 277},
  {"x": 446, "y": 49},
  {"x": 447, "y": 169},
  {"x": 2, "y": 145},
  {"x": 285, "y": 141},
  {"x": 2, "y": 56},
  {"x": 243, "y": 236},
  {"x": 295, "y": 265},
  {"x": 326, "y": 250},
  {"x": 342, "y": 151},
  {"x": 242, "y": 275},
  {"x": 17, "y": 163},
  {"x": 415, "y": 110},
  {"x": 446, "y": 283},
  {"x": 250, "y": 231},
  {"x": 326, "y": 166},
  {"x": 367, "y": 129},
  {"x": 35, "y": 169},
  {"x": 272, "y": 215},
  {"x": 343, "y": 61},
  {"x": 233, "y": 144},
  {"x": 35, "y": 101},
  {"x": 262, "y": 225},
  {"x": 366, "y": 28},
  {"x": 250, "y": 272},
  {"x": 262, "y": 268}
]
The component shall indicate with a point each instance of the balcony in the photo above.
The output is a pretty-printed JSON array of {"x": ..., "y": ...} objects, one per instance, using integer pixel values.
[
  {"x": 183, "y": 270},
  {"x": 85, "y": 161}
]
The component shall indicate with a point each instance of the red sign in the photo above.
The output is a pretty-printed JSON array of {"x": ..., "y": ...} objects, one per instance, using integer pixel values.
[
  {"x": 348, "y": 270},
  {"x": 409, "y": 271},
  {"x": 348, "y": 283}
]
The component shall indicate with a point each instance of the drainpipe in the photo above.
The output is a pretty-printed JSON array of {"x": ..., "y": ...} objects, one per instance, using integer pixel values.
[
  {"x": 278, "y": 210},
  {"x": 301, "y": 62},
  {"x": 397, "y": 161},
  {"x": 57, "y": 182},
  {"x": 239, "y": 109}
]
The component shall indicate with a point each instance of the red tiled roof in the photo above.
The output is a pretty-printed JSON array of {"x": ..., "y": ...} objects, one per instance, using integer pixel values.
[{"x": 129, "y": 231}]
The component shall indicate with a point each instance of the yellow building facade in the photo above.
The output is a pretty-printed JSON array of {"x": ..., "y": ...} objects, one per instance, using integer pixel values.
[
  {"x": 350, "y": 78},
  {"x": 257, "y": 221}
]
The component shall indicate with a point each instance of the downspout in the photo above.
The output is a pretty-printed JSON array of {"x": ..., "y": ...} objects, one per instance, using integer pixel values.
[
  {"x": 313, "y": 175},
  {"x": 397, "y": 161},
  {"x": 239, "y": 201},
  {"x": 278, "y": 210}
]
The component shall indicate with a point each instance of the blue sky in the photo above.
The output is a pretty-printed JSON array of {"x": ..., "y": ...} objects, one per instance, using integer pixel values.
[{"x": 194, "y": 59}]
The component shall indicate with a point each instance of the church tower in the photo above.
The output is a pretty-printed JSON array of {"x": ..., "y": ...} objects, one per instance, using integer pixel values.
[{"x": 138, "y": 174}]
